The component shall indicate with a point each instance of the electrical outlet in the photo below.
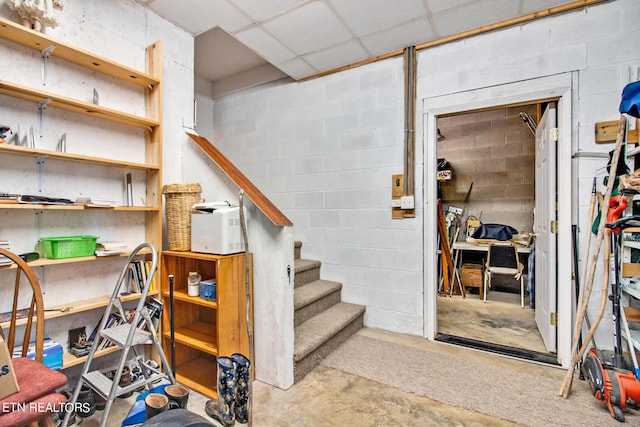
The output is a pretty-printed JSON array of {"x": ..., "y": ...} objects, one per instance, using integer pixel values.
[
  {"x": 406, "y": 202},
  {"x": 395, "y": 203}
]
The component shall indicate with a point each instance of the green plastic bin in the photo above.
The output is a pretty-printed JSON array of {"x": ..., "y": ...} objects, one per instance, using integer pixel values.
[{"x": 69, "y": 246}]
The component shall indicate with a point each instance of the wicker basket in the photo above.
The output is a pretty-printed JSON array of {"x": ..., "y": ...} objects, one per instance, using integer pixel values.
[{"x": 179, "y": 198}]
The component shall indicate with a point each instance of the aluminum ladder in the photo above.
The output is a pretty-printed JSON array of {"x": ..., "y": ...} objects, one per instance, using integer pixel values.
[{"x": 126, "y": 336}]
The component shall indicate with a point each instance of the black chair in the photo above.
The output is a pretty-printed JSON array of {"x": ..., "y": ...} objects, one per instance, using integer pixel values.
[{"x": 502, "y": 258}]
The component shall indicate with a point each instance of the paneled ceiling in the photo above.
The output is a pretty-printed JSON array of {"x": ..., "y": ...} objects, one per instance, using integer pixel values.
[{"x": 253, "y": 40}]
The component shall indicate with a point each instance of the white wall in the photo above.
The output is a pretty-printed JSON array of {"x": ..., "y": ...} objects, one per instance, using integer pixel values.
[
  {"x": 324, "y": 150},
  {"x": 271, "y": 246}
]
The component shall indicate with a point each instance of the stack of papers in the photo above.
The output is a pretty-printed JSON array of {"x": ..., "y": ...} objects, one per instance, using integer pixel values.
[
  {"x": 95, "y": 202},
  {"x": 106, "y": 248},
  {"x": 5, "y": 244}
]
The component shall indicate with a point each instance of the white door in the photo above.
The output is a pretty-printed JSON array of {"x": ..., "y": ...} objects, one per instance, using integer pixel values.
[{"x": 545, "y": 215}]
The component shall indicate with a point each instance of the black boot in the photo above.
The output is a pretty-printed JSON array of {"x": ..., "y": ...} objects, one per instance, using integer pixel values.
[
  {"x": 243, "y": 371},
  {"x": 87, "y": 401},
  {"x": 222, "y": 410}
]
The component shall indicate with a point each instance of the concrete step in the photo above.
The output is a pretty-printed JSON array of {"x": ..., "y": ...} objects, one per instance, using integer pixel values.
[
  {"x": 323, "y": 333},
  {"x": 306, "y": 271},
  {"x": 297, "y": 247},
  {"x": 313, "y": 298}
]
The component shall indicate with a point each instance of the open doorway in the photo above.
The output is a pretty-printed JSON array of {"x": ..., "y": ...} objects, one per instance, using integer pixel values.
[
  {"x": 530, "y": 92},
  {"x": 487, "y": 175}
]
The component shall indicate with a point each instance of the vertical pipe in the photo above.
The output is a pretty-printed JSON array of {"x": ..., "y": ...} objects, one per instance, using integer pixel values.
[{"x": 409, "y": 119}]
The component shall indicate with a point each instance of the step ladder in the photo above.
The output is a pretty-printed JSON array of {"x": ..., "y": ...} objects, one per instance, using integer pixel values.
[{"x": 126, "y": 336}]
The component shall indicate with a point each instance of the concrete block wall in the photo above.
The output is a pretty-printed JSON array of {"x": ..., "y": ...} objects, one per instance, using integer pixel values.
[
  {"x": 324, "y": 150},
  {"x": 495, "y": 151}
]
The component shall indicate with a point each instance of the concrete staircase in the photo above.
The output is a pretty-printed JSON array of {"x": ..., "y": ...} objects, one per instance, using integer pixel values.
[{"x": 322, "y": 321}]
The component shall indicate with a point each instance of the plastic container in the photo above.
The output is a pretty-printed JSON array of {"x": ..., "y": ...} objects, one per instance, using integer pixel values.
[{"x": 69, "y": 246}]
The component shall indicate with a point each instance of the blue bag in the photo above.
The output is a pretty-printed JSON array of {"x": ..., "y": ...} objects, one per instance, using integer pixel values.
[
  {"x": 631, "y": 99},
  {"x": 494, "y": 231}
]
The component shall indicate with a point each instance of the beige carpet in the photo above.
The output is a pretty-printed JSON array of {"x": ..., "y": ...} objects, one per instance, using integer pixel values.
[{"x": 528, "y": 397}]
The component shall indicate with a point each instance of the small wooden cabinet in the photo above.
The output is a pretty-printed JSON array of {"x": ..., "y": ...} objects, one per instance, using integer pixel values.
[{"x": 203, "y": 329}]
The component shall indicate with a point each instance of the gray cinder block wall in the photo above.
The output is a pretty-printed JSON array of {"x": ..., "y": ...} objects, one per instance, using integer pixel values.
[{"x": 496, "y": 151}]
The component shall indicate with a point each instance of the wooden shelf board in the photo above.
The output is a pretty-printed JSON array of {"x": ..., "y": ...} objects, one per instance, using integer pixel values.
[
  {"x": 79, "y": 306},
  {"x": 180, "y": 295},
  {"x": 200, "y": 375},
  {"x": 69, "y": 157},
  {"x": 630, "y": 269},
  {"x": 69, "y": 360},
  {"x": 76, "y": 207},
  {"x": 194, "y": 255},
  {"x": 70, "y": 104},
  {"x": 197, "y": 335},
  {"x": 632, "y": 314},
  {"x": 43, "y": 262},
  {"x": 39, "y": 41}
]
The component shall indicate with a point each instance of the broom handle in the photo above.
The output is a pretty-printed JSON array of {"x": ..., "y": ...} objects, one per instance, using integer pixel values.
[
  {"x": 587, "y": 246},
  {"x": 584, "y": 302}
]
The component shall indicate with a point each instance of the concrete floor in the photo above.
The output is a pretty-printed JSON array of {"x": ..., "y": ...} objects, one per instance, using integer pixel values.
[
  {"x": 327, "y": 397},
  {"x": 501, "y": 320}
]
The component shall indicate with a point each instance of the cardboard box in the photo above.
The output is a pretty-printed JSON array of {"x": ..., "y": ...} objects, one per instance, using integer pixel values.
[
  {"x": 471, "y": 276},
  {"x": 51, "y": 353},
  {"x": 8, "y": 382}
]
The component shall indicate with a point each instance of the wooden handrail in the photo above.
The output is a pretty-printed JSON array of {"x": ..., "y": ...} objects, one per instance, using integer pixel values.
[{"x": 261, "y": 201}]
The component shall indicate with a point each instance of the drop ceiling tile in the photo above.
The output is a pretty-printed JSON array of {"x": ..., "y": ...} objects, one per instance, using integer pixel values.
[
  {"x": 368, "y": 16},
  {"x": 399, "y": 37},
  {"x": 337, "y": 56},
  {"x": 313, "y": 26},
  {"x": 297, "y": 68},
  {"x": 262, "y": 10},
  {"x": 473, "y": 15},
  {"x": 198, "y": 16},
  {"x": 261, "y": 42},
  {"x": 436, "y": 6}
]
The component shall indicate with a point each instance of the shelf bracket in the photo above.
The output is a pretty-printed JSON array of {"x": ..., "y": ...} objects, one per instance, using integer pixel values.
[
  {"x": 46, "y": 54},
  {"x": 42, "y": 105},
  {"x": 40, "y": 162}
]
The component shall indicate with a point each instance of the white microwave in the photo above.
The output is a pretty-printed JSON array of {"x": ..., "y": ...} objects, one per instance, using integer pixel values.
[{"x": 218, "y": 232}]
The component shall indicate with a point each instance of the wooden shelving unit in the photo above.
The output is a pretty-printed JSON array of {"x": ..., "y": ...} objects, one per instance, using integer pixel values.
[
  {"x": 203, "y": 329},
  {"x": 84, "y": 305},
  {"x": 151, "y": 123}
]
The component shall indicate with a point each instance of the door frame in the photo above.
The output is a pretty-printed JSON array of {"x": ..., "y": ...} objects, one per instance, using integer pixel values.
[{"x": 528, "y": 91}]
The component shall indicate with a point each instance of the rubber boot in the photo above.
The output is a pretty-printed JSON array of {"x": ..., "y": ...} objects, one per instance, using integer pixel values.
[
  {"x": 243, "y": 372},
  {"x": 222, "y": 410}
]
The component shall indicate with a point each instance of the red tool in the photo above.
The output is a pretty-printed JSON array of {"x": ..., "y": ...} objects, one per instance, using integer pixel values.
[
  {"x": 619, "y": 388},
  {"x": 617, "y": 205}
]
